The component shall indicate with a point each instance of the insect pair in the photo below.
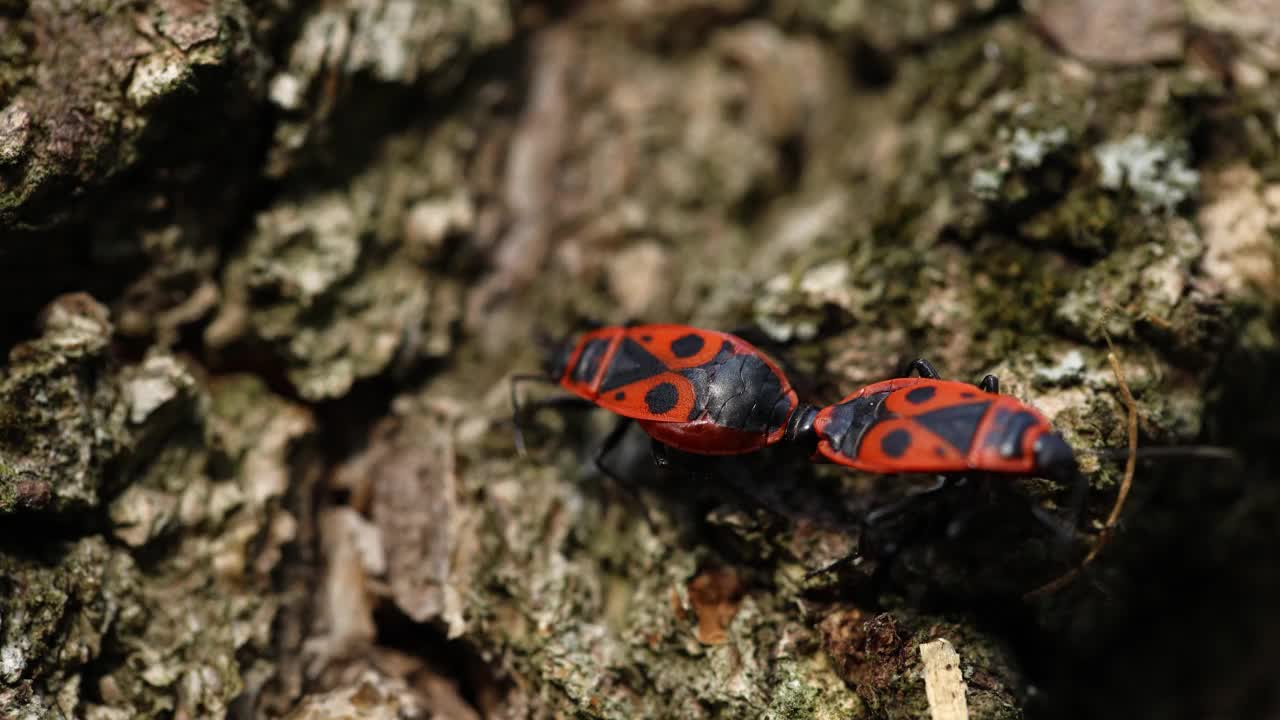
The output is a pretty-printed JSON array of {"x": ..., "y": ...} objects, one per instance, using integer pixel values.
[{"x": 713, "y": 393}]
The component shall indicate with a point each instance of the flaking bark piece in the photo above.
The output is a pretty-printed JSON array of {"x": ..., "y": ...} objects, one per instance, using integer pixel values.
[
  {"x": 408, "y": 482},
  {"x": 1115, "y": 32},
  {"x": 715, "y": 596}
]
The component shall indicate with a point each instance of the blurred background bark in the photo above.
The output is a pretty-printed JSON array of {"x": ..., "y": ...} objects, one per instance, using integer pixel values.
[{"x": 268, "y": 264}]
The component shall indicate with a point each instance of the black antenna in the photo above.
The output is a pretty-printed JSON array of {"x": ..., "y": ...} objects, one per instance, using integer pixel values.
[{"x": 1152, "y": 452}]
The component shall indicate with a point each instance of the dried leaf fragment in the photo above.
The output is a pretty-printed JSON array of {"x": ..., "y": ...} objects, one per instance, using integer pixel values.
[{"x": 715, "y": 596}]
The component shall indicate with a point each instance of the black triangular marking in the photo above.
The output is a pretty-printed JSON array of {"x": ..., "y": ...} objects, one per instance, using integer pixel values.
[
  {"x": 630, "y": 363},
  {"x": 956, "y": 424}
]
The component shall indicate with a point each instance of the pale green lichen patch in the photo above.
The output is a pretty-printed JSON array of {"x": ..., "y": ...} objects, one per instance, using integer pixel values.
[
  {"x": 800, "y": 693},
  {"x": 1023, "y": 149},
  {"x": 1157, "y": 173}
]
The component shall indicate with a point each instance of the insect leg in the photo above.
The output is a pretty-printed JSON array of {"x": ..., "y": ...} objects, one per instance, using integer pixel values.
[
  {"x": 660, "y": 454},
  {"x": 880, "y": 517},
  {"x": 1064, "y": 527},
  {"x": 521, "y": 411},
  {"x": 609, "y": 445},
  {"x": 611, "y": 442},
  {"x": 924, "y": 368},
  {"x": 887, "y": 512},
  {"x": 517, "y": 414},
  {"x": 990, "y": 384}
]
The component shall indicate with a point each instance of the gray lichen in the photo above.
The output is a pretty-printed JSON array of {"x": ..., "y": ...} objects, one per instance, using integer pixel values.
[
  {"x": 1157, "y": 174},
  {"x": 336, "y": 284},
  {"x": 59, "y": 418},
  {"x": 202, "y": 482},
  {"x": 397, "y": 42}
]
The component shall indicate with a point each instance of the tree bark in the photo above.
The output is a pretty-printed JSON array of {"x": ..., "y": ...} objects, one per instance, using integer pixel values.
[{"x": 269, "y": 266}]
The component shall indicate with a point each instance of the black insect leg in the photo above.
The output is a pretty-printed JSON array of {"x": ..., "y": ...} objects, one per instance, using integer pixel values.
[
  {"x": 660, "y": 454},
  {"x": 917, "y": 531},
  {"x": 885, "y": 513},
  {"x": 990, "y": 384},
  {"x": 924, "y": 368},
  {"x": 882, "y": 516},
  {"x": 833, "y": 565},
  {"x": 522, "y": 411},
  {"x": 1064, "y": 528},
  {"x": 517, "y": 412},
  {"x": 1079, "y": 494},
  {"x": 611, "y": 442}
]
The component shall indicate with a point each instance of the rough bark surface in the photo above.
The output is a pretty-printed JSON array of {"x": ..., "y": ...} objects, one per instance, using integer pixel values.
[{"x": 269, "y": 265}]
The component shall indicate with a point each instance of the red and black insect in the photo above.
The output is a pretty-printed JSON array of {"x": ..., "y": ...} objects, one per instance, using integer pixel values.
[
  {"x": 713, "y": 393},
  {"x": 697, "y": 391},
  {"x": 928, "y": 425}
]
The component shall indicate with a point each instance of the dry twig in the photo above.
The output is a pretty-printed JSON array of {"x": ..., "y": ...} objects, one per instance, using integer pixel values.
[{"x": 1125, "y": 484}]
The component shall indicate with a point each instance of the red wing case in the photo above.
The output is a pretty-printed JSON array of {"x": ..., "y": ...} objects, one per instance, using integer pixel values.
[
  {"x": 697, "y": 390},
  {"x": 922, "y": 425}
]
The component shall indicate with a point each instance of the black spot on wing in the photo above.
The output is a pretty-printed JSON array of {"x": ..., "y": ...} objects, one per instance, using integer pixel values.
[
  {"x": 661, "y": 398},
  {"x": 687, "y": 346},
  {"x": 921, "y": 395},
  {"x": 589, "y": 361},
  {"x": 619, "y": 396},
  {"x": 895, "y": 443},
  {"x": 849, "y": 422},
  {"x": 957, "y": 424},
  {"x": 1007, "y": 430},
  {"x": 630, "y": 363}
]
